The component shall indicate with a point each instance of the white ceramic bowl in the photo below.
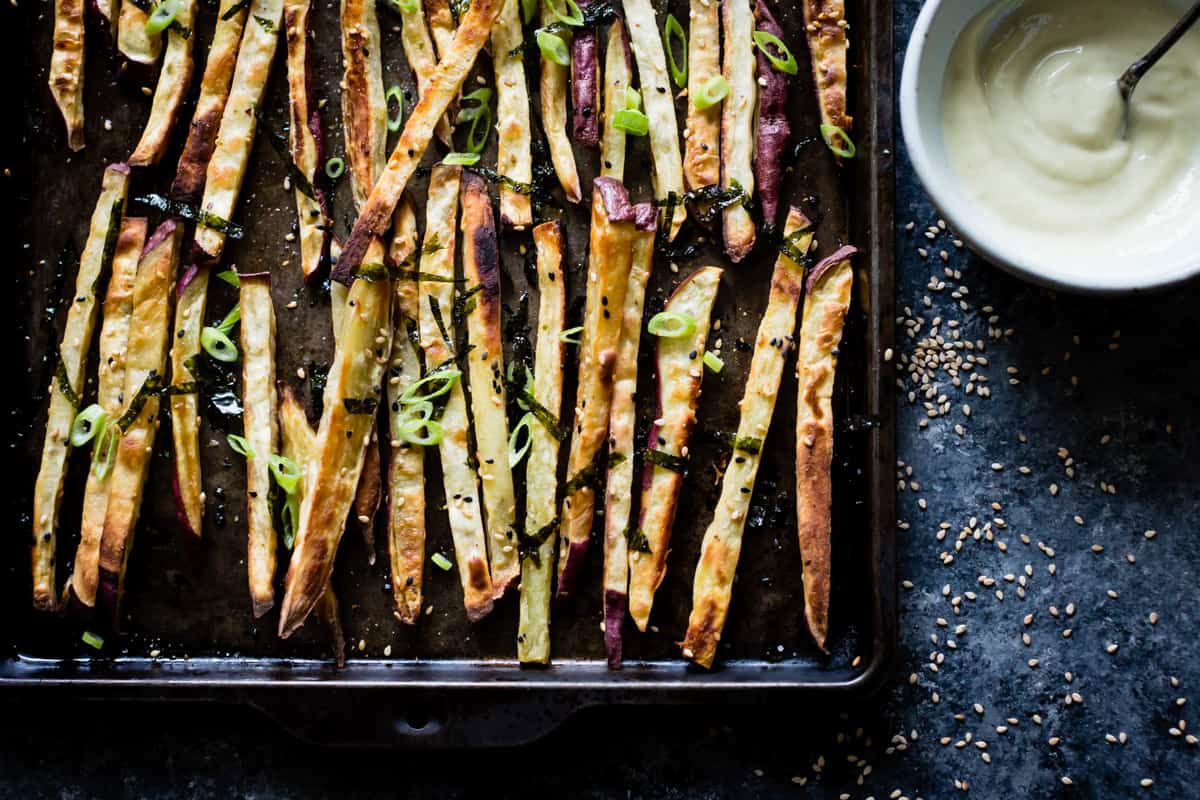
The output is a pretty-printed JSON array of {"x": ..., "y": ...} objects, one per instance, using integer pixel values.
[{"x": 937, "y": 30}]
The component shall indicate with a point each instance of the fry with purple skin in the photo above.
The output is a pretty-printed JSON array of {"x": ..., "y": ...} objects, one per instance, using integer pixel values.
[
  {"x": 259, "y": 411},
  {"x": 825, "y": 26},
  {"x": 618, "y": 75},
  {"x": 679, "y": 370},
  {"x": 66, "y": 68},
  {"x": 773, "y": 127},
  {"x": 825, "y": 307},
  {"x": 146, "y": 358},
  {"x": 712, "y": 585},
  {"x": 553, "y": 95},
  {"x": 304, "y": 136},
  {"x": 68, "y": 384},
  {"x": 702, "y": 130},
  {"x": 174, "y": 81},
  {"x": 514, "y": 157},
  {"x": 737, "y": 125},
  {"x": 618, "y": 493},
  {"x": 585, "y": 84},
  {"x": 609, "y": 255}
]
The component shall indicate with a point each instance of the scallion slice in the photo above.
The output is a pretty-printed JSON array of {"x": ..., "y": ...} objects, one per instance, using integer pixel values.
[
  {"x": 515, "y": 454},
  {"x": 410, "y": 432},
  {"x": 553, "y": 48},
  {"x": 435, "y": 384},
  {"x": 334, "y": 167},
  {"x": 441, "y": 562},
  {"x": 673, "y": 28},
  {"x": 239, "y": 445},
  {"x": 573, "y": 15},
  {"x": 633, "y": 99},
  {"x": 161, "y": 17},
  {"x": 632, "y": 122},
  {"x": 93, "y": 639},
  {"x": 394, "y": 93},
  {"x": 230, "y": 277},
  {"x": 480, "y": 96},
  {"x": 783, "y": 61},
  {"x": 409, "y": 6},
  {"x": 461, "y": 159},
  {"x": 104, "y": 450},
  {"x": 290, "y": 515},
  {"x": 713, "y": 361},
  {"x": 670, "y": 325},
  {"x": 286, "y": 472},
  {"x": 838, "y": 141},
  {"x": 232, "y": 318},
  {"x": 218, "y": 345},
  {"x": 571, "y": 335},
  {"x": 714, "y": 90},
  {"x": 88, "y": 424},
  {"x": 476, "y": 145}
]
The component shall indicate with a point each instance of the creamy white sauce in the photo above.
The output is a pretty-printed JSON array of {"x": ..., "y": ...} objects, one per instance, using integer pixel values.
[{"x": 1032, "y": 122}]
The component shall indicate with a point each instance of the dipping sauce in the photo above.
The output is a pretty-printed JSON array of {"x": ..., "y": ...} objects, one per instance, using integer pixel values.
[{"x": 1032, "y": 125}]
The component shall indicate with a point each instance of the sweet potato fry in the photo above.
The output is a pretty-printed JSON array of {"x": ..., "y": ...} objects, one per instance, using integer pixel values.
[
  {"x": 67, "y": 386},
  {"x": 825, "y": 26},
  {"x": 773, "y": 127},
  {"x": 514, "y": 157},
  {"x": 174, "y": 81},
  {"x": 722, "y": 545},
  {"x": 553, "y": 95},
  {"x": 541, "y": 470},
  {"x": 737, "y": 125},
  {"x": 185, "y": 398},
  {"x": 607, "y": 276},
  {"x": 138, "y": 47},
  {"x": 702, "y": 131},
  {"x": 441, "y": 26},
  {"x": 585, "y": 85},
  {"x": 421, "y": 55},
  {"x": 304, "y": 136},
  {"x": 679, "y": 372},
  {"x": 146, "y": 358},
  {"x": 114, "y": 337},
  {"x": 364, "y": 109},
  {"x": 618, "y": 74},
  {"x": 66, "y": 68},
  {"x": 825, "y": 308}
]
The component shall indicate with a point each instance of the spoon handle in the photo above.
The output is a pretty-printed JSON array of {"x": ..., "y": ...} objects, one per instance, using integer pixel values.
[{"x": 1143, "y": 64}]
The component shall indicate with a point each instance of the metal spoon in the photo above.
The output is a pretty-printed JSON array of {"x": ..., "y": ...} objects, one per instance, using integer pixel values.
[{"x": 1129, "y": 80}]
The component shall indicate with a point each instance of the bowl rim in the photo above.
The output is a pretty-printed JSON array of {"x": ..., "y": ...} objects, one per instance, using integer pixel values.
[{"x": 962, "y": 218}]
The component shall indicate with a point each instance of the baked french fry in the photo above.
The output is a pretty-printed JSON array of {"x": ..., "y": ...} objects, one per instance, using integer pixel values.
[
  {"x": 585, "y": 84},
  {"x": 185, "y": 397},
  {"x": 215, "y": 84},
  {"x": 825, "y": 307},
  {"x": 541, "y": 470},
  {"x": 259, "y": 410},
  {"x": 647, "y": 45},
  {"x": 364, "y": 109},
  {"x": 235, "y": 138},
  {"x": 139, "y": 47},
  {"x": 304, "y": 136},
  {"x": 773, "y": 128},
  {"x": 66, "y": 68},
  {"x": 722, "y": 545},
  {"x": 67, "y": 386},
  {"x": 437, "y": 339},
  {"x": 825, "y": 26},
  {"x": 420, "y": 54},
  {"x": 702, "y": 130},
  {"x": 618, "y": 74},
  {"x": 608, "y": 273},
  {"x": 737, "y": 125},
  {"x": 514, "y": 157},
  {"x": 553, "y": 96},
  {"x": 618, "y": 492},
  {"x": 145, "y": 360},
  {"x": 114, "y": 338},
  {"x": 174, "y": 81},
  {"x": 441, "y": 25},
  {"x": 680, "y": 368},
  {"x": 485, "y": 369},
  {"x": 376, "y": 214}
]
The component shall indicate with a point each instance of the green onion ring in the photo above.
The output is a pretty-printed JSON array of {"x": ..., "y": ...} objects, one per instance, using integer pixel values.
[
  {"x": 232, "y": 318},
  {"x": 632, "y": 122},
  {"x": 394, "y": 93},
  {"x": 515, "y": 454},
  {"x": 239, "y": 445},
  {"x": 409, "y": 432},
  {"x": 334, "y": 167},
  {"x": 88, "y": 424},
  {"x": 218, "y": 345},
  {"x": 474, "y": 146},
  {"x": 161, "y": 17},
  {"x": 291, "y": 519},
  {"x": 571, "y": 335},
  {"x": 831, "y": 134},
  {"x": 286, "y": 472},
  {"x": 670, "y": 325},
  {"x": 675, "y": 29},
  {"x": 714, "y": 90},
  {"x": 553, "y": 48},
  {"x": 443, "y": 381},
  {"x": 786, "y": 62},
  {"x": 573, "y": 15},
  {"x": 104, "y": 450}
]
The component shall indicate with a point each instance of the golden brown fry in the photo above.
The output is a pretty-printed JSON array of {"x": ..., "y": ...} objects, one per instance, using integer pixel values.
[
  {"x": 259, "y": 408},
  {"x": 421, "y": 55},
  {"x": 825, "y": 26},
  {"x": 174, "y": 81},
  {"x": 68, "y": 383},
  {"x": 541, "y": 470},
  {"x": 364, "y": 109},
  {"x": 185, "y": 405},
  {"x": 737, "y": 124},
  {"x": 452, "y": 70},
  {"x": 303, "y": 129},
  {"x": 715, "y": 572},
  {"x": 618, "y": 74},
  {"x": 219, "y": 65},
  {"x": 514, "y": 157},
  {"x": 145, "y": 361},
  {"x": 66, "y": 68},
  {"x": 608, "y": 273},
  {"x": 441, "y": 25},
  {"x": 553, "y": 93},
  {"x": 114, "y": 338},
  {"x": 133, "y": 42},
  {"x": 825, "y": 310},
  {"x": 702, "y": 142},
  {"x": 680, "y": 370}
]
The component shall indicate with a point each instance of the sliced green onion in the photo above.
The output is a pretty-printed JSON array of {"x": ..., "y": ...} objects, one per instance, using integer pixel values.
[
  {"x": 553, "y": 48},
  {"x": 713, "y": 361},
  {"x": 239, "y": 445},
  {"x": 230, "y": 277},
  {"x": 784, "y": 61},
  {"x": 104, "y": 450},
  {"x": 161, "y": 17},
  {"x": 232, "y": 318},
  {"x": 394, "y": 93},
  {"x": 290, "y": 515},
  {"x": 571, "y": 335},
  {"x": 515, "y": 454},
  {"x": 87, "y": 424},
  {"x": 633, "y": 99},
  {"x": 831, "y": 134},
  {"x": 441, "y": 562},
  {"x": 480, "y": 96},
  {"x": 714, "y": 90},
  {"x": 419, "y": 413},
  {"x": 670, "y": 325},
  {"x": 461, "y": 159},
  {"x": 528, "y": 10},
  {"x": 285, "y": 471},
  {"x": 218, "y": 345},
  {"x": 473, "y": 145},
  {"x": 674, "y": 28},
  {"x": 334, "y": 167},
  {"x": 573, "y": 15},
  {"x": 438, "y": 382},
  {"x": 93, "y": 640},
  {"x": 631, "y": 121},
  {"x": 408, "y": 6},
  {"x": 410, "y": 432}
]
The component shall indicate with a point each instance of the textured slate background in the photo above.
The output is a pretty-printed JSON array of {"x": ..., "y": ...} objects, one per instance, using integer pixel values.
[{"x": 1140, "y": 388}]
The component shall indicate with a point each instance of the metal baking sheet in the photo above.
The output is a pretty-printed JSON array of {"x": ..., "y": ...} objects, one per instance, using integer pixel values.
[{"x": 444, "y": 680}]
